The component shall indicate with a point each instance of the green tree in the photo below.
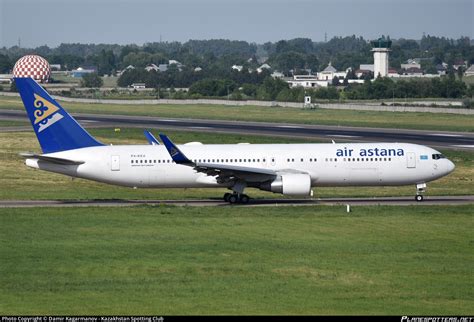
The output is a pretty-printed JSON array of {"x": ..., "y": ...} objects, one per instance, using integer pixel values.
[
  {"x": 460, "y": 72},
  {"x": 91, "y": 80},
  {"x": 270, "y": 88},
  {"x": 5, "y": 64},
  {"x": 106, "y": 62}
]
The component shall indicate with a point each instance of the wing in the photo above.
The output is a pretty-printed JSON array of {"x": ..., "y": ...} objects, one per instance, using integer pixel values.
[{"x": 225, "y": 173}]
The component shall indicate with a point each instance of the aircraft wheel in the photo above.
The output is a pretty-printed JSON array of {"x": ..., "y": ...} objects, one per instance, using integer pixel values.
[
  {"x": 233, "y": 199},
  {"x": 227, "y": 196},
  {"x": 419, "y": 198},
  {"x": 244, "y": 199}
]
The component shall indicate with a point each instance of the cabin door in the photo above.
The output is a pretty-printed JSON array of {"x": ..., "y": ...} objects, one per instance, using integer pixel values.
[
  {"x": 411, "y": 160},
  {"x": 115, "y": 163}
]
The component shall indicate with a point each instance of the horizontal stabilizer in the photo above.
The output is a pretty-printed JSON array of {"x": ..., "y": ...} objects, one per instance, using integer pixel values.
[{"x": 51, "y": 159}]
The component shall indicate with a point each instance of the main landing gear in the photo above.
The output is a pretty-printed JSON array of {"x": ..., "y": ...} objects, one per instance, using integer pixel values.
[
  {"x": 234, "y": 198},
  {"x": 420, "y": 190}
]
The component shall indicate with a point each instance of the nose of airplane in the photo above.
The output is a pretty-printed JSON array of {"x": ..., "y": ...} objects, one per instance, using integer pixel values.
[{"x": 450, "y": 166}]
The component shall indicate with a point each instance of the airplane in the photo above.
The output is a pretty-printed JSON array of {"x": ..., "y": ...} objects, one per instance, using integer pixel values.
[{"x": 288, "y": 169}]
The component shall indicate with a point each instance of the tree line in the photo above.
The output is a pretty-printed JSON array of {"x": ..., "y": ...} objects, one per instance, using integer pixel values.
[
  {"x": 297, "y": 55},
  {"x": 272, "y": 89}
]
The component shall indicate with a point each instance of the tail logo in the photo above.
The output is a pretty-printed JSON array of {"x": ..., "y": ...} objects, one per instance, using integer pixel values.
[{"x": 46, "y": 113}]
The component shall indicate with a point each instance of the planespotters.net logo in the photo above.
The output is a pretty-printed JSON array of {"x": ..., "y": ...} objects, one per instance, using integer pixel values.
[{"x": 437, "y": 319}]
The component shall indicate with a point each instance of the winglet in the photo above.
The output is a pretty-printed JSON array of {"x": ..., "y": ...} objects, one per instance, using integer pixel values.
[
  {"x": 175, "y": 153},
  {"x": 151, "y": 138}
]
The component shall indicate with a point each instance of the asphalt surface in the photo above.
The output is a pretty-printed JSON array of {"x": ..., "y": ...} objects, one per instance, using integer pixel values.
[
  {"x": 398, "y": 201},
  {"x": 450, "y": 140}
]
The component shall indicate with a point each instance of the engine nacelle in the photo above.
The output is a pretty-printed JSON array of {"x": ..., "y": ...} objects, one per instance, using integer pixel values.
[{"x": 294, "y": 184}]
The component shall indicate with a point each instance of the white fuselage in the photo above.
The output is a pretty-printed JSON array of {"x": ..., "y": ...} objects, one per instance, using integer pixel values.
[{"x": 344, "y": 164}]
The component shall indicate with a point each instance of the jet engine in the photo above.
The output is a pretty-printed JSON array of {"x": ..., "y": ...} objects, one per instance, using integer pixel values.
[{"x": 293, "y": 184}]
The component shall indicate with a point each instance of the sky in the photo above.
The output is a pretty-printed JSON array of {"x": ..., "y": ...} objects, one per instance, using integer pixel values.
[{"x": 52, "y": 22}]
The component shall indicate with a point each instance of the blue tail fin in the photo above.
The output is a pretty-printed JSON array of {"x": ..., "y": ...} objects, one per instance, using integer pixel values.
[{"x": 55, "y": 129}]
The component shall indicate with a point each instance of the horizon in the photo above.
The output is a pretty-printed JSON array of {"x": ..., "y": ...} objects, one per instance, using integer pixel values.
[
  {"x": 138, "y": 22},
  {"x": 251, "y": 43}
]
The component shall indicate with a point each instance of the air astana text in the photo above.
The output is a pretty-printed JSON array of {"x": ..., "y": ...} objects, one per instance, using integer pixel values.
[{"x": 372, "y": 152}]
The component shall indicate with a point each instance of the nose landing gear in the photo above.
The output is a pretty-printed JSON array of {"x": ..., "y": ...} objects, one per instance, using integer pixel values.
[{"x": 420, "y": 190}]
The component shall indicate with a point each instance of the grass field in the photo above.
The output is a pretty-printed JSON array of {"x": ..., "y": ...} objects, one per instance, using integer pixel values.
[
  {"x": 164, "y": 260},
  {"x": 13, "y": 123},
  {"x": 421, "y": 121},
  {"x": 20, "y": 182},
  {"x": 299, "y": 260}
]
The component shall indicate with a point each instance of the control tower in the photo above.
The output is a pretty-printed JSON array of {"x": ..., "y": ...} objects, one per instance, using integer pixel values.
[{"x": 381, "y": 48}]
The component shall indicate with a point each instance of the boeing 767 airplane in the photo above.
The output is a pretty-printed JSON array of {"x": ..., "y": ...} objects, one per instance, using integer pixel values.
[{"x": 289, "y": 169}]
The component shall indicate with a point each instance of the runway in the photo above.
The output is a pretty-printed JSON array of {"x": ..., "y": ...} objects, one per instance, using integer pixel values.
[
  {"x": 386, "y": 201},
  {"x": 449, "y": 140}
]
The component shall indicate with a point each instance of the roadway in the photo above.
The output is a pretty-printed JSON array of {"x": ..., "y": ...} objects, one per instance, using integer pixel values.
[
  {"x": 391, "y": 201},
  {"x": 449, "y": 140}
]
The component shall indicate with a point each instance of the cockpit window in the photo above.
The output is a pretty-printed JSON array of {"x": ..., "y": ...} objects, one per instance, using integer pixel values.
[{"x": 438, "y": 156}]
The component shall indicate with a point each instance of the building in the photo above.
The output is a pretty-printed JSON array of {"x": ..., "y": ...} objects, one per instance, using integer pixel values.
[
  {"x": 277, "y": 74},
  {"x": 81, "y": 71},
  {"x": 361, "y": 73},
  {"x": 129, "y": 67},
  {"x": 469, "y": 71},
  {"x": 410, "y": 64},
  {"x": 237, "y": 67},
  {"x": 459, "y": 63},
  {"x": 6, "y": 78},
  {"x": 392, "y": 72},
  {"x": 441, "y": 69},
  {"x": 381, "y": 49},
  {"x": 329, "y": 73},
  {"x": 151, "y": 67},
  {"x": 55, "y": 67},
  {"x": 163, "y": 67},
  {"x": 413, "y": 71},
  {"x": 307, "y": 81},
  {"x": 367, "y": 67},
  {"x": 264, "y": 66}
]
